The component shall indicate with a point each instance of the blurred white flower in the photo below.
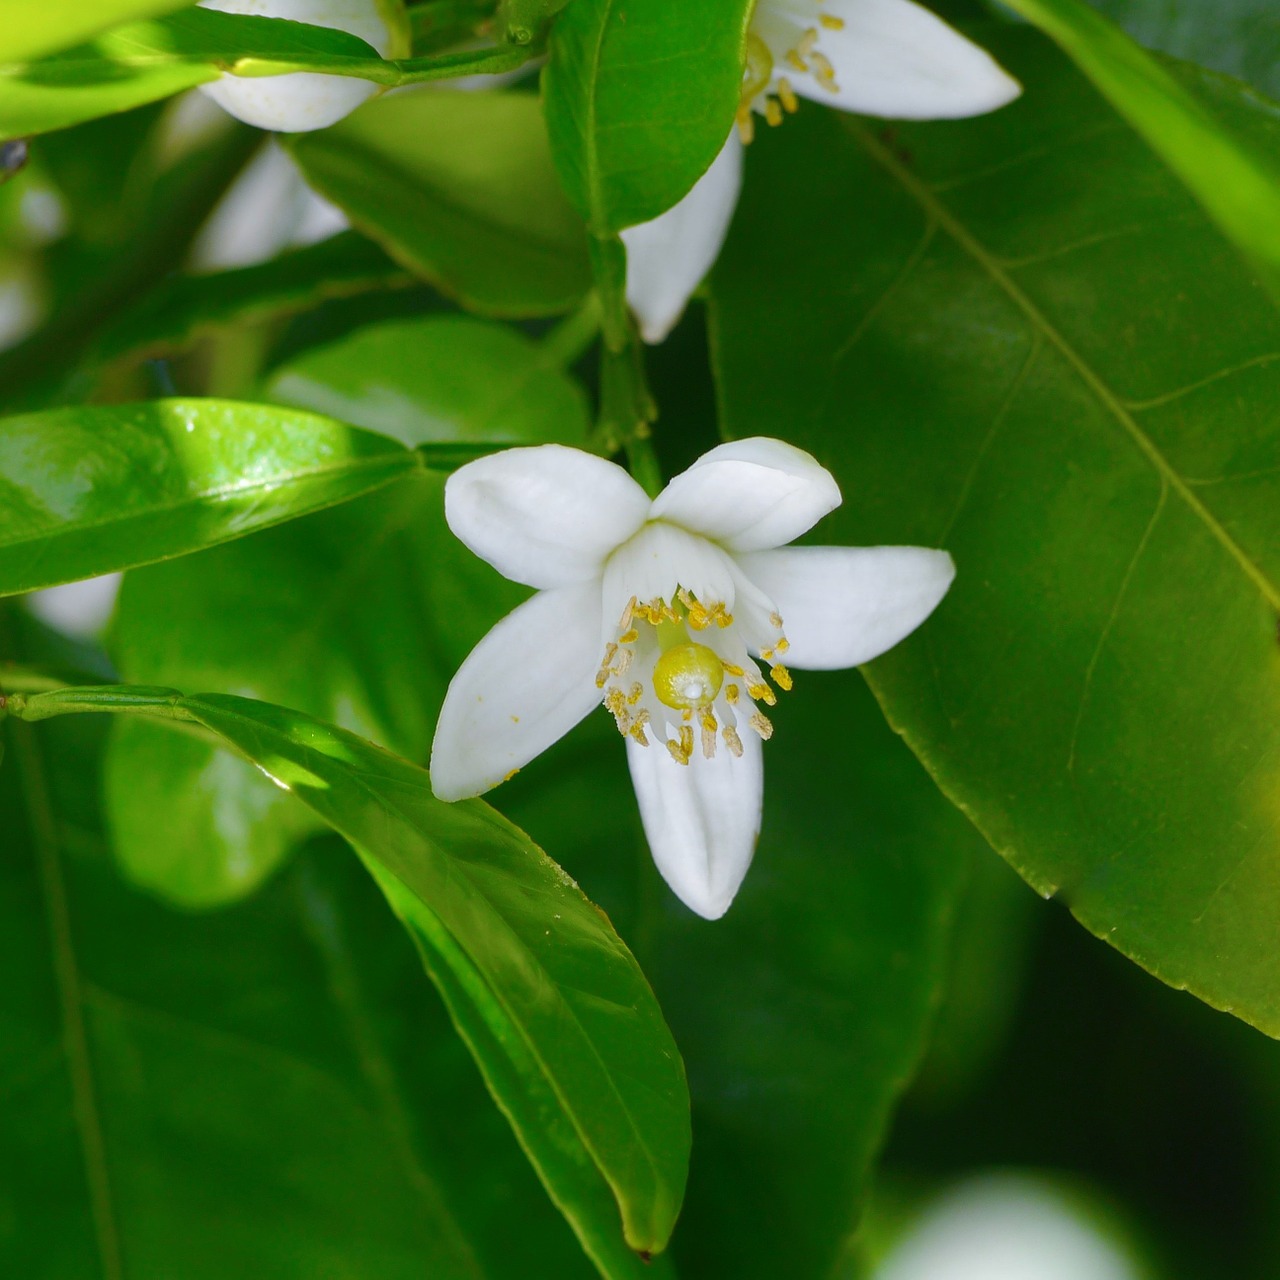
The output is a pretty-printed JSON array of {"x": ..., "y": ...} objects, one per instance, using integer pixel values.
[
  {"x": 1007, "y": 1227},
  {"x": 660, "y": 609},
  {"x": 304, "y": 100},
  {"x": 77, "y": 609},
  {"x": 888, "y": 58}
]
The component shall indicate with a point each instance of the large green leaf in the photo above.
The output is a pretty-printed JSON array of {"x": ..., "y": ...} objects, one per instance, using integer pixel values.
[
  {"x": 88, "y": 490},
  {"x": 29, "y": 30},
  {"x": 1238, "y": 37},
  {"x": 1235, "y": 176},
  {"x": 551, "y": 1003},
  {"x": 459, "y": 187},
  {"x": 1027, "y": 344},
  {"x": 640, "y": 97},
  {"x": 269, "y": 1090},
  {"x": 440, "y": 378}
]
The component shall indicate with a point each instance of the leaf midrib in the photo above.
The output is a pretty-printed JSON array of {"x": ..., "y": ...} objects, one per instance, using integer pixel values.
[{"x": 969, "y": 243}]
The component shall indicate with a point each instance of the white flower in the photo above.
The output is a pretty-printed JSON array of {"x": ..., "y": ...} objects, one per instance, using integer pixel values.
[
  {"x": 888, "y": 58},
  {"x": 302, "y": 100},
  {"x": 676, "y": 613}
]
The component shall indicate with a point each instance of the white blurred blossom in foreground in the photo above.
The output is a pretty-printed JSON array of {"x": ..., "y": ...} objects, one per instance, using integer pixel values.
[
  {"x": 1007, "y": 1227},
  {"x": 681, "y": 614},
  {"x": 889, "y": 58},
  {"x": 303, "y": 100}
]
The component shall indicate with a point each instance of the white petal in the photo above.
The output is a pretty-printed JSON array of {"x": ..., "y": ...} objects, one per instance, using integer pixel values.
[
  {"x": 895, "y": 59},
  {"x": 303, "y": 100},
  {"x": 523, "y": 687},
  {"x": 750, "y": 494},
  {"x": 659, "y": 559},
  {"x": 546, "y": 515},
  {"x": 667, "y": 258},
  {"x": 702, "y": 819},
  {"x": 842, "y": 606}
]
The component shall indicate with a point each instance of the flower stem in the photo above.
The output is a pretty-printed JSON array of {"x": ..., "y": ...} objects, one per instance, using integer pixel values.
[{"x": 567, "y": 343}]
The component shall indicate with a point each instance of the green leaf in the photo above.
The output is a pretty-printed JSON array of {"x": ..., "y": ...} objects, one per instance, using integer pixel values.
[
  {"x": 1032, "y": 348},
  {"x": 801, "y": 1014},
  {"x": 1235, "y": 179},
  {"x": 551, "y": 1003},
  {"x": 640, "y": 97},
  {"x": 460, "y": 189},
  {"x": 1238, "y": 37},
  {"x": 331, "y": 614},
  {"x": 439, "y": 378},
  {"x": 31, "y": 30},
  {"x": 88, "y": 490},
  {"x": 270, "y": 1087},
  {"x": 185, "y": 308}
]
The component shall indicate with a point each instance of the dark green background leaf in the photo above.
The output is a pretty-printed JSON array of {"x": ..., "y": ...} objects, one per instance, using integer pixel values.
[
  {"x": 439, "y": 378},
  {"x": 1023, "y": 342},
  {"x": 459, "y": 187}
]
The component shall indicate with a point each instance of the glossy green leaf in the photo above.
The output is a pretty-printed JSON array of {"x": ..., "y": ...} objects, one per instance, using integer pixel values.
[
  {"x": 88, "y": 490},
  {"x": 270, "y": 1090},
  {"x": 801, "y": 1014},
  {"x": 1089, "y": 378},
  {"x": 640, "y": 96},
  {"x": 459, "y": 188},
  {"x": 329, "y": 614},
  {"x": 31, "y": 30},
  {"x": 439, "y": 378},
  {"x": 1237, "y": 180},
  {"x": 146, "y": 61},
  {"x": 185, "y": 308}
]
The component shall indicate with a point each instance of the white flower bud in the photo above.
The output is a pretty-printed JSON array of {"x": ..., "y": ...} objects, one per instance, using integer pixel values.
[{"x": 303, "y": 100}]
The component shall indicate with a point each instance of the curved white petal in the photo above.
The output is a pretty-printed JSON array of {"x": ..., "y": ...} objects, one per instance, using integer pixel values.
[
  {"x": 894, "y": 58},
  {"x": 523, "y": 687},
  {"x": 842, "y": 606},
  {"x": 750, "y": 494},
  {"x": 702, "y": 819},
  {"x": 546, "y": 515},
  {"x": 303, "y": 100},
  {"x": 667, "y": 258}
]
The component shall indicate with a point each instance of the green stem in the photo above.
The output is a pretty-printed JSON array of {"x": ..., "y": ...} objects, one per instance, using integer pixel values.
[
  {"x": 122, "y": 700},
  {"x": 568, "y": 342}
]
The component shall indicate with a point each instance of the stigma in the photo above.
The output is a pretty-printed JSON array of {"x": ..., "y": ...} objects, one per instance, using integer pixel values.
[{"x": 679, "y": 670}]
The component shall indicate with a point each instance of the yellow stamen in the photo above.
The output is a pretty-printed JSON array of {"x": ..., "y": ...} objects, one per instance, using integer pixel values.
[
  {"x": 781, "y": 676},
  {"x": 790, "y": 103},
  {"x": 732, "y": 694},
  {"x": 831, "y": 22},
  {"x": 772, "y": 112},
  {"x": 762, "y": 693},
  {"x": 731, "y": 739},
  {"x": 629, "y": 637},
  {"x": 762, "y": 725}
]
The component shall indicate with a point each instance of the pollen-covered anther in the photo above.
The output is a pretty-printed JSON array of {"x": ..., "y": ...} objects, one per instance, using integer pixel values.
[
  {"x": 629, "y": 637},
  {"x": 831, "y": 22},
  {"x": 709, "y": 726},
  {"x": 762, "y": 693},
  {"x": 781, "y": 677},
  {"x": 624, "y": 623},
  {"x": 773, "y": 112},
  {"x": 762, "y": 725},
  {"x": 732, "y": 694},
  {"x": 787, "y": 96},
  {"x": 638, "y": 726},
  {"x": 637, "y": 692},
  {"x": 602, "y": 676},
  {"x": 731, "y": 740},
  {"x": 776, "y": 619},
  {"x": 783, "y": 644},
  {"x": 824, "y": 73}
]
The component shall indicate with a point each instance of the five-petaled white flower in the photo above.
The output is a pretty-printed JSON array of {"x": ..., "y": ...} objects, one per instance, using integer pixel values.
[
  {"x": 304, "y": 100},
  {"x": 889, "y": 58},
  {"x": 677, "y": 613}
]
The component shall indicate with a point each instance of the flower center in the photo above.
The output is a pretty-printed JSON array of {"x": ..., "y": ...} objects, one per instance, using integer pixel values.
[
  {"x": 656, "y": 678},
  {"x": 688, "y": 676},
  {"x": 800, "y": 53}
]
